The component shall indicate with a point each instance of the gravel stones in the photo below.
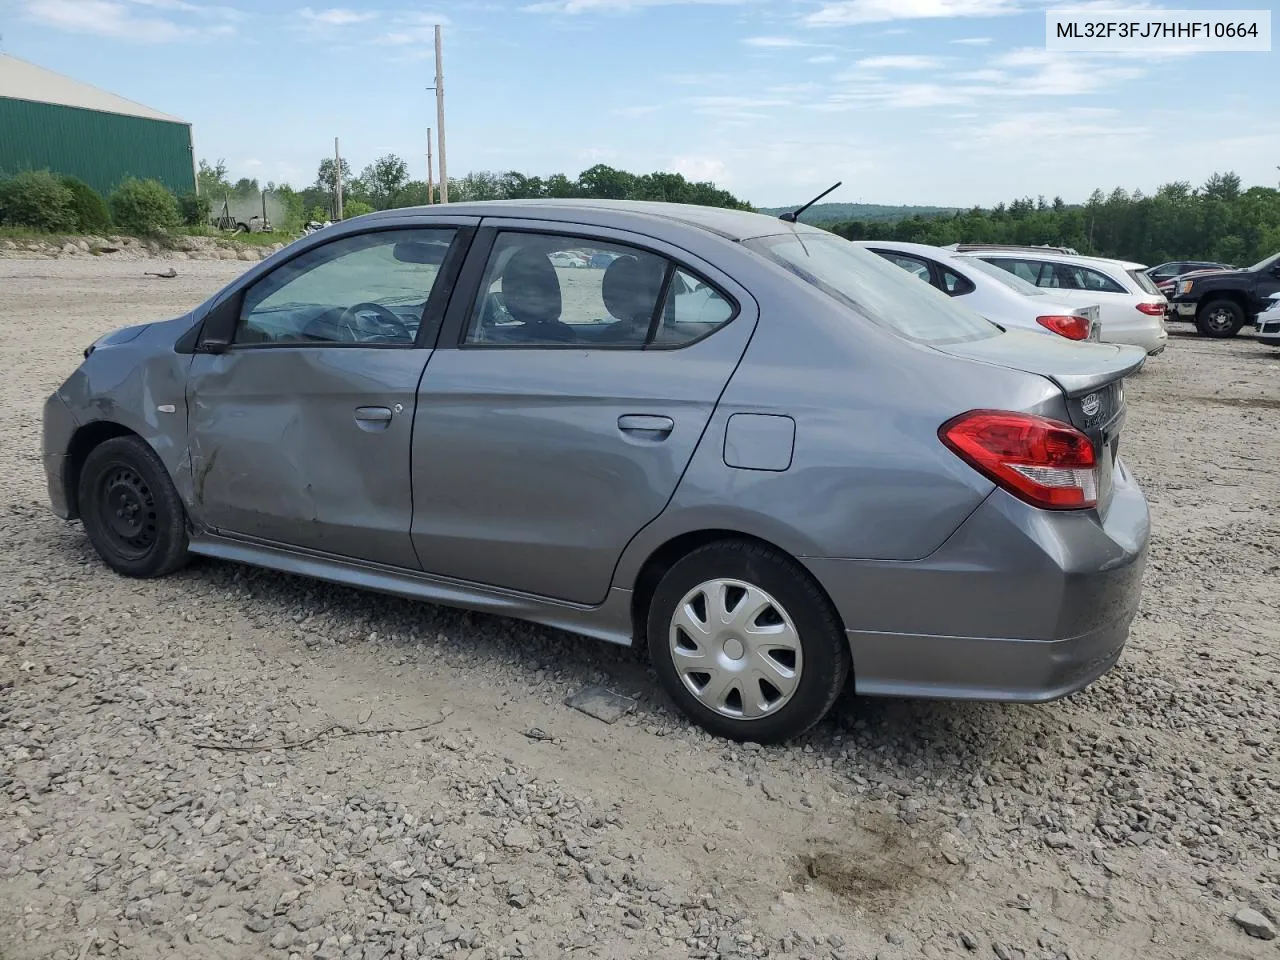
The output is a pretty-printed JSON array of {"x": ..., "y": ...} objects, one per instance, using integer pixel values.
[{"x": 1135, "y": 818}]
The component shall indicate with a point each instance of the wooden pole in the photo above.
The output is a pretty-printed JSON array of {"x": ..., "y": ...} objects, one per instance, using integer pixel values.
[
  {"x": 444, "y": 174},
  {"x": 337, "y": 178},
  {"x": 431, "y": 190}
]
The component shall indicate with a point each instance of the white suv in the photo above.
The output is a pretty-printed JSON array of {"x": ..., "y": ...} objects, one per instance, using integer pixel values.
[{"x": 1133, "y": 309}]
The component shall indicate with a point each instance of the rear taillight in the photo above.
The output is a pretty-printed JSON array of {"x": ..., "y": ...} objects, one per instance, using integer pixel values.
[
  {"x": 1070, "y": 326},
  {"x": 1045, "y": 462},
  {"x": 1151, "y": 309}
]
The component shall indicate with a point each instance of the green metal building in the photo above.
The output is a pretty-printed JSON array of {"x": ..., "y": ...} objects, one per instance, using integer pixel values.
[{"x": 51, "y": 122}]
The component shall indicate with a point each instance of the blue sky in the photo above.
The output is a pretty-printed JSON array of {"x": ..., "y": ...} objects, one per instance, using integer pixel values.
[{"x": 906, "y": 101}]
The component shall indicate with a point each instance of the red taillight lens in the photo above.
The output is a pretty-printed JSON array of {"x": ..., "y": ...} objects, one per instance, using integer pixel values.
[
  {"x": 1045, "y": 462},
  {"x": 1151, "y": 309},
  {"x": 1071, "y": 326}
]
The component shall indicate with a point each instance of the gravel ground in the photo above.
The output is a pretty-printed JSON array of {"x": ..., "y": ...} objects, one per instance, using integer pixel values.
[{"x": 170, "y": 790}]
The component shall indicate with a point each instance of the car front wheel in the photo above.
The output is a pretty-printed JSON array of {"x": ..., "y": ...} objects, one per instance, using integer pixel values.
[
  {"x": 1220, "y": 319},
  {"x": 746, "y": 643},
  {"x": 131, "y": 510}
]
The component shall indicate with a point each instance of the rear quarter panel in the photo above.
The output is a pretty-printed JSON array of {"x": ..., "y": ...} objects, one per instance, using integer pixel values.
[{"x": 869, "y": 478}]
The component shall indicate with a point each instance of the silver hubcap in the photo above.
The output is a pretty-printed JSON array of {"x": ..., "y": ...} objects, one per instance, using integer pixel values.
[{"x": 735, "y": 648}]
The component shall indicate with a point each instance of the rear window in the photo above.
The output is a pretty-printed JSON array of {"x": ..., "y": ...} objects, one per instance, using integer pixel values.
[
  {"x": 873, "y": 286},
  {"x": 1145, "y": 282}
]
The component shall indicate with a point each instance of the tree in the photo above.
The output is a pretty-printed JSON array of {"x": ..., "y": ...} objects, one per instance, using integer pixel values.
[
  {"x": 383, "y": 179},
  {"x": 325, "y": 182},
  {"x": 605, "y": 183},
  {"x": 213, "y": 179}
]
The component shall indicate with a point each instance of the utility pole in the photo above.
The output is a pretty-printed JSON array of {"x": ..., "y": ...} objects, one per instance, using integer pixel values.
[
  {"x": 431, "y": 190},
  {"x": 444, "y": 175},
  {"x": 337, "y": 178}
]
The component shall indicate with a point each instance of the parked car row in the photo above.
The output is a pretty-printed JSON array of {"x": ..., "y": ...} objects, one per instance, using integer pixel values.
[
  {"x": 747, "y": 445},
  {"x": 1040, "y": 289}
]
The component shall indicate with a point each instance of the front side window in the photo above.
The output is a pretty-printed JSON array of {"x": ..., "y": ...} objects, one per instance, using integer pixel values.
[
  {"x": 369, "y": 289},
  {"x": 874, "y": 287},
  {"x": 542, "y": 290}
]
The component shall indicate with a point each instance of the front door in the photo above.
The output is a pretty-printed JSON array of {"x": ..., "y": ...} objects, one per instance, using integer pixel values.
[
  {"x": 299, "y": 432},
  {"x": 579, "y": 376}
]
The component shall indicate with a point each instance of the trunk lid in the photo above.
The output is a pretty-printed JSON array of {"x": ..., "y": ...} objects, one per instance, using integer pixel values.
[{"x": 1090, "y": 376}]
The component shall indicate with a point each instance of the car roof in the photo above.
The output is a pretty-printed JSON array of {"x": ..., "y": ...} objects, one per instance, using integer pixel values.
[
  {"x": 940, "y": 254},
  {"x": 1079, "y": 259},
  {"x": 731, "y": 224}
]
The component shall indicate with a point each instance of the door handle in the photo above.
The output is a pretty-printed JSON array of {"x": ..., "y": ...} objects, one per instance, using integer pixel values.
[
  {"x": 645, "y": 423},
  {"x": 371, "y": 418}
]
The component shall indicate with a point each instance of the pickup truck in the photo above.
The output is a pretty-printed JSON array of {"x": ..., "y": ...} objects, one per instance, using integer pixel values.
[{"x": 1220, "y": 302}]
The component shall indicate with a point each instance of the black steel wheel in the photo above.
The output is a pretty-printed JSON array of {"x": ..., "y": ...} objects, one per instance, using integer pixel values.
[
  {"x": 131, "y": 509},
  {"x": 1220, "y": 319}
]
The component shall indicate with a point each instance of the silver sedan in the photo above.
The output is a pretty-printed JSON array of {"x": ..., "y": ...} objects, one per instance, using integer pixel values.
[{"x": 777, "y": 461}]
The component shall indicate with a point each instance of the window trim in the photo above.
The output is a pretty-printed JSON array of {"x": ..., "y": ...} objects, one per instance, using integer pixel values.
[
  {"x": 467, "y": 288},
  {"x": 221, "y": 317}
]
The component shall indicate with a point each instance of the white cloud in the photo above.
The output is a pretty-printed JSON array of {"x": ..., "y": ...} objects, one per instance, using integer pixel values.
[
  {"x": 335, "y": 16},
  {"x": 823, "y": 58},
  {"x": 901, "y": 62},
  {"x": 847, "y": 12},
  {"x": 779, "y": 42},
  {"x": 104, "y": 18},
  {"x": 640, "y": 110},
  {"x": 698, "y": 169},
  {"x": 973, "y": 41}
]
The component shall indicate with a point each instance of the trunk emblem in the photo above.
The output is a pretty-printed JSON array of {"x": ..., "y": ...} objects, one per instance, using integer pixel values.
[{"x": 1091, "y": 404}]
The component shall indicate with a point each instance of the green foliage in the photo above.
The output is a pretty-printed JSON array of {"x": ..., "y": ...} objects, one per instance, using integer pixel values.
[
  {"x": 90, "y": 209},
  {"x": 38, "y": 200},
  {"x": 1217, "y": 222},
  {"x": 383, "y": 180},
  {"x": 144, "y": 208},
  {"x": 213, "y": 179},
  {"x": 598, "y": 182},
  {"x": 355, "y": 208},
  {"x": 195, "y": 209},
  {"x": 824, "y": 214}
]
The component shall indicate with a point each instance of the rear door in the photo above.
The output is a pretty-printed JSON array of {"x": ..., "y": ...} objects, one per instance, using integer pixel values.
[{"x": 563, "y": 404}]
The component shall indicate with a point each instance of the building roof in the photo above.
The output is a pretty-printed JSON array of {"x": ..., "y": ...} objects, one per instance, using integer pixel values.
[{"x": 20, "y": 80}]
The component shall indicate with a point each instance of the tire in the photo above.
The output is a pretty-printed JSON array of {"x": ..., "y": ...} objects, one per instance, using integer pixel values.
[
  {"x": 1220, "y": 318},
  {"x": 804, "y": 638},
  {"x": 131, "y": 510}
]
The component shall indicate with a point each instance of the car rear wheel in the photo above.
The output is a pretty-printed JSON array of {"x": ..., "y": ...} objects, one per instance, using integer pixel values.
[
  {"x": 1220, "y": 319},
  {"x": 131, "y": 510},
  {"x": 746, "y": 643}
]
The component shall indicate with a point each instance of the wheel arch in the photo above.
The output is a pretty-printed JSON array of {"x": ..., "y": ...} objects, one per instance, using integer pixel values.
[
  {"x": 669, "y": 553},
  {"x": 83, "y": 441}
]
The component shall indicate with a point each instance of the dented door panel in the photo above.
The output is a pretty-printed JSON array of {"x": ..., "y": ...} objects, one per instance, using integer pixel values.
[{"x": 307, "y": 446}]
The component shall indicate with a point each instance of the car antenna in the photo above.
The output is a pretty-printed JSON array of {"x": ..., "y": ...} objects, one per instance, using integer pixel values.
[{"x": 794, "y": 214}]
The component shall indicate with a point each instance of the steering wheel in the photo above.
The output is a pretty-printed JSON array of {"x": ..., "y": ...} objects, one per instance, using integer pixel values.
[{"x": 398, "y": 331}]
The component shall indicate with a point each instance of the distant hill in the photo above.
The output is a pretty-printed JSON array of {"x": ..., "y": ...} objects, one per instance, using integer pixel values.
[{"x": 868, "y": 212}]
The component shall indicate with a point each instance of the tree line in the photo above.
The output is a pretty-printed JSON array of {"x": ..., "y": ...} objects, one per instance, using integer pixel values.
[
  {"x": 385, "y": 184},
  {"x": 1217, "y": 221}
]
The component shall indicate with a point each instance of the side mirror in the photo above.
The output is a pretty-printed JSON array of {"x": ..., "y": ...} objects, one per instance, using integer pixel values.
[{"x": 213, "y": 344}]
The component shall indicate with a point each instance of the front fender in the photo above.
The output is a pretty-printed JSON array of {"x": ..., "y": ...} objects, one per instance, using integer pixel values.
[{"x": 139, "y": 385}]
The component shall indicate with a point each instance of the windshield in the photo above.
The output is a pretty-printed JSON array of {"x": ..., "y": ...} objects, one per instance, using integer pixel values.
[
  {"x": 1262, "y": 264},
  {"x": 881, "y": 290},
  {"x": 1010, "y": 280}
]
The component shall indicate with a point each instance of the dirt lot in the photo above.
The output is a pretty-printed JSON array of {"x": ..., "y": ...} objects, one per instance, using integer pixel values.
[{"x": 1133, "y": 820}]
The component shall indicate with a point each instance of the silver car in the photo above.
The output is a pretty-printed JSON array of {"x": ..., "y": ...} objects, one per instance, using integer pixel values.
[{"x": 775, "y": 460}]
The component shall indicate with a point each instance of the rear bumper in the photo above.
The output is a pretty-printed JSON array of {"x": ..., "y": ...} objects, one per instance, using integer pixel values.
[
  {"x": 1150, "y": 337},
  {"x": 1018, "y": 605}
]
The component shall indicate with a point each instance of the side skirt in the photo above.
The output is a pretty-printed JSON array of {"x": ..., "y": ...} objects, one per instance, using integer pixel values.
[{"x": 610, "y": 621}]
